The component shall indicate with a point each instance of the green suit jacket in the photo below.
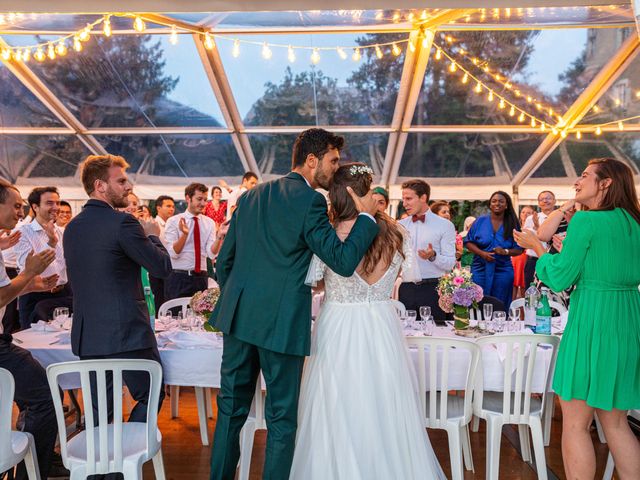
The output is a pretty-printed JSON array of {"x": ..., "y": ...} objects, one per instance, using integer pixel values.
[{"x": 264, "y": 259}]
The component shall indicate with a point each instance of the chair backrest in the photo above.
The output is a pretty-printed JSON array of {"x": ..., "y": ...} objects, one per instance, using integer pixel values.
[
  {"x": 559, "y": 307},
  {"x": 399, "y": 306},
  {"x": 435, "y": 382},
  {"x": 7, "y": 389},
  {"x": 98, "y": 445},
  {"x": 521, "y": 350},
  {"x": 176, "y": 302}
]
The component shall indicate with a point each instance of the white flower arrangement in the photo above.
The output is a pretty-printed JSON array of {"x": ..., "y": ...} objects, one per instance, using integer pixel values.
[{"x": 360, "y": 169}]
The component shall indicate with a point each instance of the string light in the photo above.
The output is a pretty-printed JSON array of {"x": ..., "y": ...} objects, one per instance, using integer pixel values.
[
  {"x": 379, "y": 53},
  {"x": 51, "y": 53},
  {"x": 396, "y": 51},
  {"x": 478, "y": 88},
  {"x": 598, "y": 130},
  {"x": 77, "y": 44},
  {"x": 412, "y": 46},
  {"x": 453, "y": 67},
  {"x": 501, "y": 105},
  {"x": 620, "y": 126},
  {"x": 173, "y": 38},
  {"x": 39, "y": 55},
  {"x": 106, "y": 27},
  {"x": 235, "y": 52},
  {"x": 465, "y": 78},
  {"x": 578, "y": 134},
  {"x": 26, "y": 55},
  {"x": 291, "y": 55},
  {"x": 533, "y": 122},
  {"x": 209, "y": 44},
  {"x": 512, "y": 111},
  {"x": 61, "y": 49},
  {"x": 521, "y": 117},
  {"x": 356, "y": 55},
  {"x": 438, "y": 54},
  {"x": 315, "y": 56},
  {"x": 490, "y": 96},
  {"x": 6, "y": 54},
  {"x": 341, "y": 53},
  {"x": 85, "y": 34},
  {"x": 266, "y": 51},
  {"x": 139, "y": 25}
]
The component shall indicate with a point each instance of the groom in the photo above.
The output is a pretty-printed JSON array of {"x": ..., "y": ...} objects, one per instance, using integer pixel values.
[{"x": 265, "y": 308}]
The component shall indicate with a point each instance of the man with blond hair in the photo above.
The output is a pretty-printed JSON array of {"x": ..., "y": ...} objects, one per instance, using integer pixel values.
[{"x": 105, "y": 249}]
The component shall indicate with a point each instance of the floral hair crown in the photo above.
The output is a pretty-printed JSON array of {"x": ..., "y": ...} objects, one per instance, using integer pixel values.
[{"x": 360, "y": 169}]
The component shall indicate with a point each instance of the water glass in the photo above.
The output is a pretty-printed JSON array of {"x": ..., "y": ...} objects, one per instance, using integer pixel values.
[
  {"x": 429, "y": 326},
  {"x": 499, "y": 320},
  {"x": 411, "y": 318},
  {"x": 514, "y": 317},
  {"x": 60, "y": 316},
  {"x": 425, "y": 312},
  {"x": 487, "y": 310}
]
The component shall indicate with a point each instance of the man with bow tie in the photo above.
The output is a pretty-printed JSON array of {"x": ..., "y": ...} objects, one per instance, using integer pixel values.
[{"x": 434, "y": 241}]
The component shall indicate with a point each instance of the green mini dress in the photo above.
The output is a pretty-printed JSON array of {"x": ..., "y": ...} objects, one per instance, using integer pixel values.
[{"x": 599, "y": 356}]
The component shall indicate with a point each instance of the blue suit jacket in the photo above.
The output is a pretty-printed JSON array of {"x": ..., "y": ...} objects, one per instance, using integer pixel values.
[{"x": 104, "y": 250}]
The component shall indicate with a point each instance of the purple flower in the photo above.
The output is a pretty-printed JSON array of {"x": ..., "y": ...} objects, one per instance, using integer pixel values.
[
  {"x": 479, "y": 294},
  {"x": 464, "y": 296}
]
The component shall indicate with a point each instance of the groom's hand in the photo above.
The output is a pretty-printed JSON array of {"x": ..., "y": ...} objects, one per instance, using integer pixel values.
[{"x": 366, "y": 204}]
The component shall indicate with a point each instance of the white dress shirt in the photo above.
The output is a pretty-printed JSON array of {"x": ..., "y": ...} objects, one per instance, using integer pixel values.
[
  {"x": 163, "y": 225},
  {"x": 441, "y": 234},
  {"x": 186, "y": 260},
  {"x": 528, "y": 224},
  {"x": 233, "y": 199},
  {"x": 33, "y": 237},
  {"x": 4, "y": 281},
  {"x": 9, "y": 255}
]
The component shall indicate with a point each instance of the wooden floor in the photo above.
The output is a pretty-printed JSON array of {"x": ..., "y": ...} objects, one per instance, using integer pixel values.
[{"x": 186, "y": 458}]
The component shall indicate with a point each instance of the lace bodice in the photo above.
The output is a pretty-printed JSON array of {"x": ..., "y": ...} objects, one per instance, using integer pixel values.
[{"x": 355, "y": 289}]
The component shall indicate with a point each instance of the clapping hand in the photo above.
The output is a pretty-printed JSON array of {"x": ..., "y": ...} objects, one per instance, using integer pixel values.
[
  {"x": 50, "y": 229},
  {"x": 9, "y": 241},
  {"x": 557, "y": 242},
  {"x": 427, "y": 254},
  {"x": 365, "y": 204},
  {"x": 44, "y": 284},
  {"x": 526, "y": 239},
  {"x": 150, "y": 227},
  {"x": 37, "y": 263},
  {"x": 182, "y": 225},
  {"x": 536, "y": 220}
]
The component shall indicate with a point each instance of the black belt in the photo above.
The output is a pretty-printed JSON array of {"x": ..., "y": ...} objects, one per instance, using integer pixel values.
[
  {"x": 428, "y": 281},
  {"x": 192, "y": 273}
]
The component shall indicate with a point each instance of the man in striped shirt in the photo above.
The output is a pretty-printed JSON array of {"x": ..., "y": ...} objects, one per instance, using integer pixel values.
[{"x": 42, "y": 234}]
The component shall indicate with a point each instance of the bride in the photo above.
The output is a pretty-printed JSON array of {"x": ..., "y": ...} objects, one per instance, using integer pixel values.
[{"x": 359, "y": 416}]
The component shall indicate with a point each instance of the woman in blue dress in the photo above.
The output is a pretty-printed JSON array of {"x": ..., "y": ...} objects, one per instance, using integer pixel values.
[{"x": 491, "y": 240}]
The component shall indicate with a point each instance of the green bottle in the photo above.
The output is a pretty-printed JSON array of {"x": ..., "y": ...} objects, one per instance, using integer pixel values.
[
  {"x": 543, "y": 314},
  {"x": 148, "y": 297}
]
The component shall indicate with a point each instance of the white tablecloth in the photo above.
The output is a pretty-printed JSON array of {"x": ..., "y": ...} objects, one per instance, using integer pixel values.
[{"x": 200, "y": 366}]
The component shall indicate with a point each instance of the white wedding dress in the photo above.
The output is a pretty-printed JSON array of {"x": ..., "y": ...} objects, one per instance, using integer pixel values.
[{"x": 359, "y": 416}]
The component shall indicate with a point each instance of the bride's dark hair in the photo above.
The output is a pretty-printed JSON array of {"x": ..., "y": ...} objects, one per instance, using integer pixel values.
[{"x": 389, "y": 238}]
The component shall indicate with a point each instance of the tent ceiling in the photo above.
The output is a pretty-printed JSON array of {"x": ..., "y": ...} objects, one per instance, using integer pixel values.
[{"x": 177, "y": 111}]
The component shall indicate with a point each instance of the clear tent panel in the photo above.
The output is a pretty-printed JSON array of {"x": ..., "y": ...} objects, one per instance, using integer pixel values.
[
  {"x": 131, "y": 81},
  {"x": 624, "y": 146},
  {"x": 465, "y": 154},
  {"x": 62, "y": 22},
  {"x": 177, "y": 155},
  {"x": 273, "y": 151},
  {"x": 514, "y": 65},
  {"x": 19, "y": 107},
  {"x": 278, "y": 92},
  {"x": 51, "y": 156}
]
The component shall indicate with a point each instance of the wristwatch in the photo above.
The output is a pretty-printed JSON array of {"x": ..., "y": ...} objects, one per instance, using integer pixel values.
[
  {"x": 434, "y": 257},
  {"x": 507, "y": 251}
]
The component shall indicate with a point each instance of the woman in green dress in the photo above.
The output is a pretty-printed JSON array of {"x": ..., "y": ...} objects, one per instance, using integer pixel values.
[{"x": 598, "y": 366}]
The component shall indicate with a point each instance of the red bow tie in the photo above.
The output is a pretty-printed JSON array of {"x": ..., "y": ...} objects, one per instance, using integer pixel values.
[{"x": 418, "y": 218}]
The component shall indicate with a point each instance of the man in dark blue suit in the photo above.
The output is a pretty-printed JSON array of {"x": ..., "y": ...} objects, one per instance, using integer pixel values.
[{"x": 104, "y": 250}]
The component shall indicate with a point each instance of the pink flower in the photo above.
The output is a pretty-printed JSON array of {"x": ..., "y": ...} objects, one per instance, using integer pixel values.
[{"x": 458, "y": 281}]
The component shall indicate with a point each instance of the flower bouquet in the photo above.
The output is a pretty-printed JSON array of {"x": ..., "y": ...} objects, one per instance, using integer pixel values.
[
  {"x": 202, "y": 303},
  {"x": 457, "y": 293}
]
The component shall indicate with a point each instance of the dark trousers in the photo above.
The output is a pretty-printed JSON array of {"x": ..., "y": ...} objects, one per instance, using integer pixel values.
[
  {"x": 33, "y": 397},
  {"x": 183, "y": 285},
  {"x": 529, "y": 270},
  {"x": 425, "y": 293},
  {"x": 241, "y": 364},
  {"x": 137, "y": 383},
  {"x": 11, "y": 320},
  {"x": 27, "y": 304},
  {"x": 157, "y": 287}
]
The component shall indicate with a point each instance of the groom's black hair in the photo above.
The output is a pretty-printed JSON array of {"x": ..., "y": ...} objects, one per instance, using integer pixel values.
[{"x": 316, "y": 141}]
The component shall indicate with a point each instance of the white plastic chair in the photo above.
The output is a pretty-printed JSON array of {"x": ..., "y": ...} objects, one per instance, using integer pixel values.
[
  {"x": 454, "y": 414},
  {"x": 559, "y": 307},
  {"x": 515, "y": 405},
  {"x": 14, "y": 446},
  {"x": 255, "y": 421},
  {"x": 608, "y": 470},
  {"x": 203, "y": 395},
  {"x": 109, "y": 447}
]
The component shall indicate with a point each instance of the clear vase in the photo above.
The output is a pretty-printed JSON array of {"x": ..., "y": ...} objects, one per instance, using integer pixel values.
[{"x": 460, "y": 317}]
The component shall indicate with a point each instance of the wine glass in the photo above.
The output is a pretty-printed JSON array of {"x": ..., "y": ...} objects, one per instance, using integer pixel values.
[
  {"x": 425, "y": 312},
  {"x": 411, "y": 318},
  {"x": 514, "y": 317},
  {"x": 499, "y": 319}
]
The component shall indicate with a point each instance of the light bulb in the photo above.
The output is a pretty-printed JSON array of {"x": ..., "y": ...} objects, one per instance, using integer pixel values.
[
  {"x": 209, "y": 44},
  {"x": 465, "y": 78},
  {"x": 543, "y": 127},
  {"x": 638, "y": 94},
  {"x": 596, "y": 109},
  {"x": 412, "y": 46},
  {"x": 379, "y": 53},
  {"x": 173, "y": 38},
  {"x": 315, "y": 56},
  {"x": 578, "y": 134},
  {"x": 501, "y": 104},
  {"x": 266, "y": 51},
  {"x": 508, "y": 86},
  {"x": 139, "y": 25},
  {"x": 341, "y": 53},
  {"x": 106, "y": 27},
  {"x": 26, "y": 55},
  {"x": 533, "y": 122},
  {"x": 453, "y": 67},
  {"x": 521, "y": 117},
  {"x": 356, "y": 55},
  {"x": 554, "y": 130},
  {"x": 17, "y": 55},
  {"x": 236, "y": 49},
  {"x": 490, "y": 96},
  {"x": 396, "y": 17},
  {"x": 478, "y": 88},
  {"x": 423, "y": 15},
  {"x": 620, "y": 126},
  {"x": 6, "y": 54},
  {"x": 474, "y": 61},
  {"x": 563, "y": 133},
  {"x": 77, "y": 44},
  {"x": 512, "y": 111},
  {"x": 425, "y": 42},
  {"x": 39, "y": 55},
  {"x": 85, "y": 33},
  {"x": 291, "y": 54},
  {"x": 396, "y": 51},
  {"x": 598, "y": 131},
  {"x": 529, "y": 99},
  {"x": 51, "y": 53},
  {"x": 61, "y": 49}
]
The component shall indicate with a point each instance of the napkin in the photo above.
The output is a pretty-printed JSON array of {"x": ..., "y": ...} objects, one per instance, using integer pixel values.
[
  {"x": 189, "y": 339},
  {"x": 63, "y": 338},
  {"x": 42, "y": 326}
]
